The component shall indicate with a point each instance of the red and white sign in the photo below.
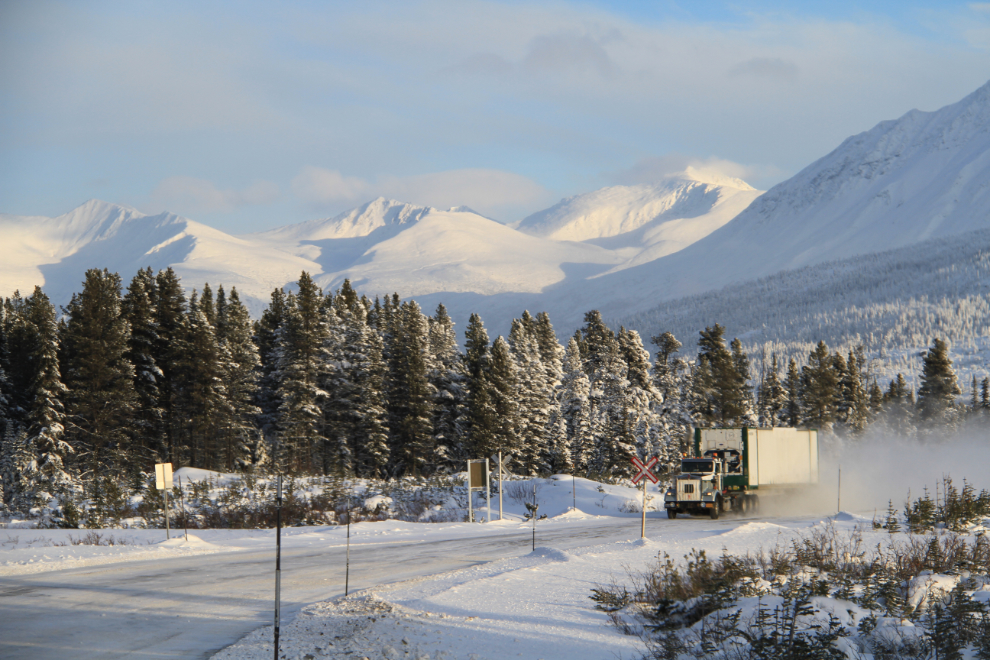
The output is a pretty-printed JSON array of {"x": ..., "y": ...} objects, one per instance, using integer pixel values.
[{"x": 644, "y": 469}]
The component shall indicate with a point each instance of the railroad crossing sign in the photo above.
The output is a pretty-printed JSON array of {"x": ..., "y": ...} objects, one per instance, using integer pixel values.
[{"x": 644, "y": 469}]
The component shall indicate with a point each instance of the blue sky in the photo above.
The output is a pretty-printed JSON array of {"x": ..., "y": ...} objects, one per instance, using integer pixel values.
[{"x": 250, "y": 115}]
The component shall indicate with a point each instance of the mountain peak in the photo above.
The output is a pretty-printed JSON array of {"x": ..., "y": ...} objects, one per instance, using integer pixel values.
[{"x": 710, "y": 176}]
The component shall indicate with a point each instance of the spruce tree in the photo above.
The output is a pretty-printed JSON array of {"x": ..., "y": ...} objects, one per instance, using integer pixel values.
[
  {"x": 898, "y": 407},
  {"x": 301, "y": 346},
  {"x": 773, "y": 396},
  {"x": 204, "y": 392},
  {"x": 611, "y": 428},
  {"x": 481, "y": 420},
  {"x": 720, "y": 392},
  {"x": 502, "y": 382},
  {"x": 792, "y": 410},
  {"x": 148, "y": 429},
  {"x": 46, "y": 415},
  {"x": 819, "y": 389},
  {"x": 575, "y": 410},
  {"x": 267, "y": 331},
  {"x": 101, "y": 400},
  {"x": 411, "y": 395},
  {"x": 533, "y": 396},
  {"x": 169, "y": 303},
  {"x": 448, "y": 377},
  {"x": 240, "y": 369},
  {"x": 939, "y": 387}
]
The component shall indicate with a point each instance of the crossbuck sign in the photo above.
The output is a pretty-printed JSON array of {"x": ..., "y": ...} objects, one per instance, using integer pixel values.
[{"x": 644, "y": 469}]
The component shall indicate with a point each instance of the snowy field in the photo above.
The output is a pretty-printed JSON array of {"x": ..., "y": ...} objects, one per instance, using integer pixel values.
[{"x": 443, "y": 590}]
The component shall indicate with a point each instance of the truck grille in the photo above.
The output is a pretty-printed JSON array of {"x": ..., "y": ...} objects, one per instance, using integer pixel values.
[{"x": 688, "y": 490}]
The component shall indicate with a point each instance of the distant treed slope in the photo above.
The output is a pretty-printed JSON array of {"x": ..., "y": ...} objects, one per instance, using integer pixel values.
[{"x": 893, "y": 303}]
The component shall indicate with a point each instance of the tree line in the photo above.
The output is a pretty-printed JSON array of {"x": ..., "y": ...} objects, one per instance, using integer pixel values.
[{"x": 337, "y": 383}]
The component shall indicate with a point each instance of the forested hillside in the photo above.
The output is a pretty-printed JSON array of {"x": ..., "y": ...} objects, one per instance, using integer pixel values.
[
  {"x": 892, "y": 303},
  {"x": 330, "y": 383}
]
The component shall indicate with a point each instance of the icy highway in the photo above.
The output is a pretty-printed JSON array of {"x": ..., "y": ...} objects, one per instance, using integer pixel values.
[{"x": 192, "y": 607}]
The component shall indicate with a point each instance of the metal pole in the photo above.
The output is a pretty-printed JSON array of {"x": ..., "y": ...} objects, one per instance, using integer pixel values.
[
  {"x": 488, "y": 491},
  {"x": 165, "y": 490},
  {"x": 642, "y": 531},
  {"x": 574, "y": 490},
  {"x": 839, "y": 492},
  {"x": 535, "y": 506},
  {"x": 347, "y": 570},
  {"x": 470, "y": 494},
  {"x": 185, "y": 518},
  {"x": 278, "y": 561},
  {"x": 500, "y": 485}
]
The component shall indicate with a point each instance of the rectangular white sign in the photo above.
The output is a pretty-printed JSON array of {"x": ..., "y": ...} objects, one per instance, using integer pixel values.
[{"x": 163, "y": 476}]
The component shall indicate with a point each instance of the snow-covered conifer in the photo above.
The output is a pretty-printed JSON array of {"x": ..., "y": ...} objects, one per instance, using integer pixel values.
[{"x": 101, "y": 399}]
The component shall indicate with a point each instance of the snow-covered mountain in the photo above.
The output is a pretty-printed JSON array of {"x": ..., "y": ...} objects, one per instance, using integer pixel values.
[
  {"x": 56, "y": 252},
  {"x": 622, "y": 249},
  {"x": 646, "y": 221},
  {"x": 922, "y": 176}
]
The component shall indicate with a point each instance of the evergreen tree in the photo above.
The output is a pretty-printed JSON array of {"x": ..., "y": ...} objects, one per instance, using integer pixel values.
[
  {"x": 169, "y": 303},
  {"x": 721, "y": 395},
  {"x": 792, "y": 410},
  {"x": 411, "y": 395},
  {"x": 597, "y": 342},
  {"x": 855, "y": 399},
  {"x": 533, "y": 396},
  {"x": 611, "y": 427},
  {"x": 819, "y": 389},
  {"x": 939, "y": 388},
  {"x": 301, "y": 346},
  {"x": 575, "y": 411},
  {"x": 101, "y": 399},
  {"x": 46, "y": 415},
  {"x": 448, "y": 377},
  {"x": 502, "y": 383},
  {"x": 147, "y": 421},
  {"x": 898, "y": 407},
  {"x": 203, "y": 391},
  {"x": 267, "y": 331},
  {"x": 240, "y": 369},
  {"x": 481, "y": 419},
  {"x": 773, "y": 397}
]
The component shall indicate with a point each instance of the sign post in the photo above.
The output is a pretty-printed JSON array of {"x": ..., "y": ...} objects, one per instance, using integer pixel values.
[
  {"x": 278, "y": 562},
  {"x": 644, "y": 471},
  {"x": 163, "y": 482},
  {"x": 185, "y": 518},
  {"x": 478, "y": 480},
  {"x": 500, "y": 484}
]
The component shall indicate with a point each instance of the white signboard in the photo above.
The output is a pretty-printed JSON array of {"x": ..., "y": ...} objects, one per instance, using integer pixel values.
[{"x": 163, "y": 476}]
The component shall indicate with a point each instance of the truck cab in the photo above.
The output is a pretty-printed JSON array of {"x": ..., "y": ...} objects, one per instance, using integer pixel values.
[{"x": 697, "y": 489}]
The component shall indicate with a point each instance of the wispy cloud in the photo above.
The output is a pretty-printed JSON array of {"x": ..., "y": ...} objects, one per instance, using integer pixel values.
[
  {"x": 188, "y": 195},
  {"x": 491, "y": 192}
]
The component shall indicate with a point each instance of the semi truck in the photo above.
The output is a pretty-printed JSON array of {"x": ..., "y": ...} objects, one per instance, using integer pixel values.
[{"x": 732, "y": 467}]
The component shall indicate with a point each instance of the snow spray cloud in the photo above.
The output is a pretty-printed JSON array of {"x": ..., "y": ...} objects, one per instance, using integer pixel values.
[{"x": 882, "y": 467}]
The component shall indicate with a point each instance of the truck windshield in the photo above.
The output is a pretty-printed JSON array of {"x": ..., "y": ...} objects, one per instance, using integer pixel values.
[{"x": 697, "y": 466}]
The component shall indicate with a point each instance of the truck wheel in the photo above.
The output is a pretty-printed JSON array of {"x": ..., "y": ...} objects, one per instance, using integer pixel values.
[
  {"x": 671, "y": 513},
  {"x": 714, "y": 510}
]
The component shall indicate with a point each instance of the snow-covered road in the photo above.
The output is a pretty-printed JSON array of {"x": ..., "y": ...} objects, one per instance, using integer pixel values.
[{"x": 190, "y": 607}]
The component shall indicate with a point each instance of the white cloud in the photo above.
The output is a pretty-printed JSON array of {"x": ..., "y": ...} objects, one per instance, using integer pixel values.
[
  {"x": 319, "y": 187},
  {"x": 189, "y": 195},
  {"x": 491, "y": 192},
  {"x": 651, "y": 169}
]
